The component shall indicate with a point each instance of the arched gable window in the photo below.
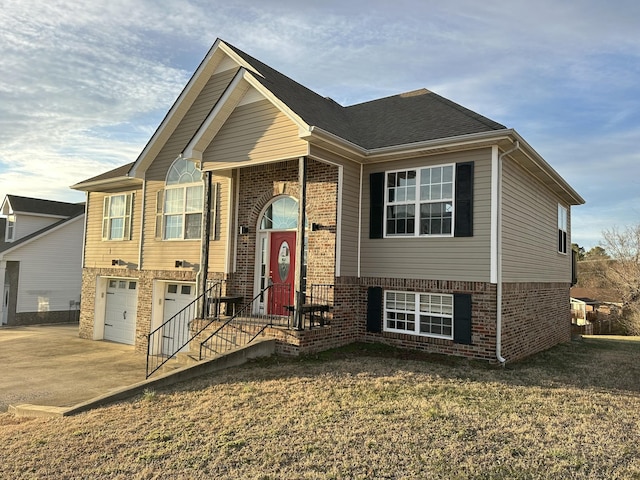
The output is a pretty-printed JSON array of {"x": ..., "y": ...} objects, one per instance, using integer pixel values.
[{"x": 182, "y": 206}]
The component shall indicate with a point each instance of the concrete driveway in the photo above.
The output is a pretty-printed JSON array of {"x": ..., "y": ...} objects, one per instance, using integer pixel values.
[{"x": 50, "y": 365}]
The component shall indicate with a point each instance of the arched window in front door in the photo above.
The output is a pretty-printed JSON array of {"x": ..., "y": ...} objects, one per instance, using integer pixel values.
[
  {"x": 281, "y": 214},
  {"x": 276, "y": 240}
]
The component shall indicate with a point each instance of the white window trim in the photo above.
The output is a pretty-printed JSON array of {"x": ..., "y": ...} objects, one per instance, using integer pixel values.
[
  {"x": 563, "y": 226},
  {"x": 106, "y": 217},
  {"x": 416, "y": 313},
  {"x": 417, "y": 202},
  {"x": 184, "y": 213},
  {"x": 11, "y": 229}
]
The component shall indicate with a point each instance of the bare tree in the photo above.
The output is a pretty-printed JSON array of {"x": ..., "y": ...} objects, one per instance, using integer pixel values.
[{"x": 622, "y": 272}]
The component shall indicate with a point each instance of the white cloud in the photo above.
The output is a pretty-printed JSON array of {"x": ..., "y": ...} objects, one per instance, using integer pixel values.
[{"x": 86, "y": 83}]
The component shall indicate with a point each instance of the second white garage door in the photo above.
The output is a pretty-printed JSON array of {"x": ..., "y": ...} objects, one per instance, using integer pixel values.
[{"x": 121, "y": 309}]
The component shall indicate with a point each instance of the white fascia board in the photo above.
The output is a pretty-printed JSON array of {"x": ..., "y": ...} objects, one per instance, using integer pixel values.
[
  {"x": 116, "y": 182},
  {"x": 179, "y": 108}
]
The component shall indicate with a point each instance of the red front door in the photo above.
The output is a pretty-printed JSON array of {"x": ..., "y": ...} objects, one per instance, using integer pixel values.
[{"x": 282, "y": 263}]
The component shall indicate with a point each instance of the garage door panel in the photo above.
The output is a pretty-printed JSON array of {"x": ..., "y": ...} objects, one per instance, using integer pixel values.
[{"x": 121, "y": 311}]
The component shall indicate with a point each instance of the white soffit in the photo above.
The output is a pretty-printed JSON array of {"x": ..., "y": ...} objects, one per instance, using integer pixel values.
[
  {"x": 225, "y": 65},
  {"x": 251, "y": 96}
]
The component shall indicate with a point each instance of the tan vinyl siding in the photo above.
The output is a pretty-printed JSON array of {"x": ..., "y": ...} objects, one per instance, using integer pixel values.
[
  {"x": 254, "y": 133},
  {"x": 218, "y": 243},
  {"x": 447, "y": 258},
  {"x": 530, "y": 230},
  {"x": 98, "y": 252},
  {"x": 159, "y": 254},
  {"x": 350, "y": 206},
  {"x": 189, "y": 125}
]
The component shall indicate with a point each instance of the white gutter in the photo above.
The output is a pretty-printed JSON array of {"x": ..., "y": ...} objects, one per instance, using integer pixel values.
[{"x": 498, "y": 244}]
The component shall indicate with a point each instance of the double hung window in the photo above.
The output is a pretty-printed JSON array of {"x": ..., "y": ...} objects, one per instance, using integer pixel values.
[
  {"x": 562, "y": 229},
  {"x": 116, "y": 217},
  {"x": 183, "y": 202},
  {"x": 426, "y": 314},
  {"x": 420, "y": 202}
]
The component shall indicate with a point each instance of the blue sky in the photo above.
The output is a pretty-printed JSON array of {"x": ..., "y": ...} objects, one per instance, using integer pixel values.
[{"x": 84, "y": 84}]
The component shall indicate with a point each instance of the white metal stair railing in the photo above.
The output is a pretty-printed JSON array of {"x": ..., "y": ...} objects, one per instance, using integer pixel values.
[{"x": 175, "y": 334}]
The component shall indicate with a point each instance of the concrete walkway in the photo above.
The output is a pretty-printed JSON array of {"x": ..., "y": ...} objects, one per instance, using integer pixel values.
[{"x": 50, "y": 365}]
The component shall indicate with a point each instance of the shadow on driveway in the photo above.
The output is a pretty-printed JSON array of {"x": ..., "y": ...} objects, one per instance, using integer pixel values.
[{"x": 50, "y": 365}]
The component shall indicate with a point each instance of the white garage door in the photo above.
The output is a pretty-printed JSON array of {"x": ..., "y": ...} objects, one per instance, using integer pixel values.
[
  {"x": 177, "y": 296},
  {"x": 120, "y": 315}
]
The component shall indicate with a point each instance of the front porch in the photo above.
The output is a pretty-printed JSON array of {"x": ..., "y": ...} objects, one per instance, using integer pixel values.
[{"x": 217, "y": 322}]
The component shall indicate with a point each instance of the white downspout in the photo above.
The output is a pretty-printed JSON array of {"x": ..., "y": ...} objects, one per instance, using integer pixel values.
[{"x": 499, "y": 356}]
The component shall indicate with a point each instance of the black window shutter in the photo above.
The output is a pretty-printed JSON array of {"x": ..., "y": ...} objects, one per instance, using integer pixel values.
[
  {"x": 464, "y": 200},
  {"x": 374, "y": 309},
  {"x": 462, "y": 318},
  {"x": 376, "y": 208}
]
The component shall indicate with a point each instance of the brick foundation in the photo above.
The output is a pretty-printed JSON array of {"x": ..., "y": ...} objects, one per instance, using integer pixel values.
[{"x": 535, "y": 317}]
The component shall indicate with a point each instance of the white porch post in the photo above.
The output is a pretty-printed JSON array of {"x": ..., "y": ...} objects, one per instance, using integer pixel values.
[{"x": 299, "y": 274}]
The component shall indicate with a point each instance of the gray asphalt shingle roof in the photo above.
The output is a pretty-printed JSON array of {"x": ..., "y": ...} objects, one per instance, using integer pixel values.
[
  {"x": 44, "y": 207},
  {"x": 405, "y": 118}
]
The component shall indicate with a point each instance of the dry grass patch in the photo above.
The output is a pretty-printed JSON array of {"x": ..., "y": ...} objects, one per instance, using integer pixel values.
[{"x": 360, "y": 412}]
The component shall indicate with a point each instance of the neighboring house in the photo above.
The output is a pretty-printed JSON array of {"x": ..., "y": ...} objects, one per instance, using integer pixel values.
[
  {"x": 40, "y": 260},
  {"x": 437, "y": 228},
  {"x": 593, "y": 307}
]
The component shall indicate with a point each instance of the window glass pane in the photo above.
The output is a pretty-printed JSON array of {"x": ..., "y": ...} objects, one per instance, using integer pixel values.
[
  {"x": 435, "y": 218},
  {"x": 117, "y": 228},
  {"x": 172, "y": 288},
  {"x": 183, "y": 171},
  {"x": 447, "y": 174},
  {"x": 122, "y": 284},
  {"x": 112, "y": 283},
  {"x": 116, "y": 206},
  {"x": 185, "y": 289},
  {"x": 193, "y": 225},
  {"x": 281, "y": 215},
  {"x": 173, "y": 226},
  {"x": 132, "y": 285},
  {"x": 173, "y": 200},
  {"x": 194, "y": 199}
]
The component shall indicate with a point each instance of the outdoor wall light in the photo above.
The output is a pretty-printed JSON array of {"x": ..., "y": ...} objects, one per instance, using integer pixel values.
[
  {"x": 315, "y": 227},
  {"x": 180, "y": 263},
  {"x": 243, "y": 230},
  {"x": 116, "y": 262}
]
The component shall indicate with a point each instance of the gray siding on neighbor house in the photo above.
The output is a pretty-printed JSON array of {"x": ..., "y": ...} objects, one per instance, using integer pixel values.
[
  {"x": 530, "y": 230},
  {"x": 350, "y": 205},
  {"x": 445, "y": 258}
]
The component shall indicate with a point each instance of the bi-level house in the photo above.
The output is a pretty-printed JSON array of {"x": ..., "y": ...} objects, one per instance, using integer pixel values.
[
  {"x": 40, "y": 260},
  {"x": 424, "y": 224}
]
